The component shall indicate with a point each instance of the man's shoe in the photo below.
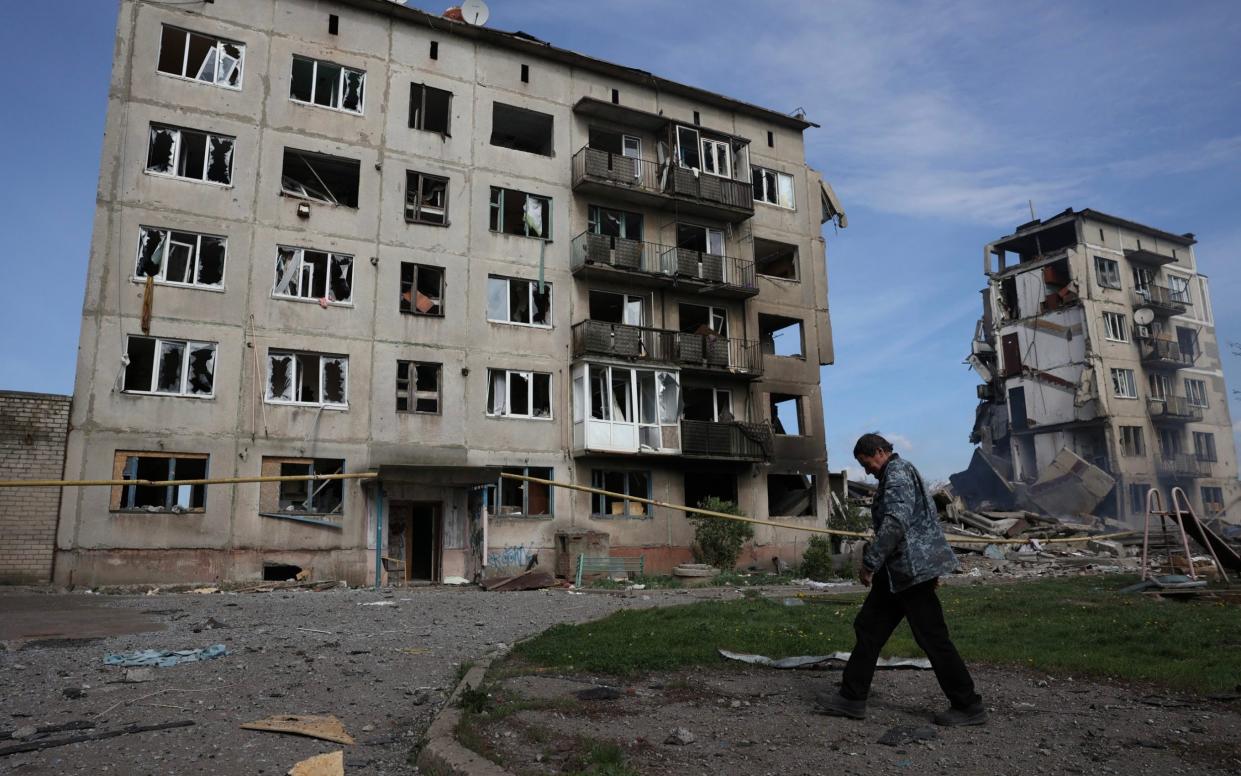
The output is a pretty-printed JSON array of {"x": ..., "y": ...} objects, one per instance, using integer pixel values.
[
  {"x": 970, "y": 715},
  {"x": 839, "y": 706}
]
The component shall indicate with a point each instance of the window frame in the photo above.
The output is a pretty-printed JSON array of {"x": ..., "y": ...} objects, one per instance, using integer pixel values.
[
  {"x": 1119, "y": 375},
  {"x": 530, "y": 376},
  {"x": 497, "y": 492},
  {"x": 1114, "y": 327},
  {"x": 299, "y": 256},
  {"x": 496, "y": 105},
  {"x": 305, "y": 193},
  {"x": 411, "y": 307},
  {"x": 166, "y": 243},
  {"x": 598, "y": 479},
  {"x": 757, "y": 174},
  {"x": 419, "y": 206},
  {"x": 531, "y": 291},
  {"x": 1107, "y": 272},
  {"x": 1137, "y": 497},
  {"x": 188, "y": 348},
  {"x": 295, "y": 382},
  {"x": 340, "y": 84},
  {"x": 411, "y": 392},
  {"x": 277, "y": 464},
  {"x": 175, "y": 153},
  {"x": 1194, "y": 390},
  {"x": 1211, "y": 490},
  {"x": 1204, "y": 447},
  {"x": 218, "y": 45},
  {"x": 1132, "y": 442},
  {"x": 495, "y": 221},
  {"x": 422, "y": 108},
  {"x": 122, "y": 502}
]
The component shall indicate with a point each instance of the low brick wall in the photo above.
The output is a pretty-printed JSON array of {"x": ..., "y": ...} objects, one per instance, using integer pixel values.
[{"x": 33, "y": 429}]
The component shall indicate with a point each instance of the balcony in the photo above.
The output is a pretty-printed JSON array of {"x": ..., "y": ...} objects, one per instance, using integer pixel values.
[
  {"x": 705, "y": 353},
  {"x": 662, "y": 185},
  {"x": 644, "y": 263},
  {"x": 732, "y": 441},
  {"x": 1173, "y": 409},
  {"x": 1163, "y": 353},
  {"x": 1164, "y": 301},
  {"x": 1148, "y": 258},
  {"x": 1182, "y": 466}
]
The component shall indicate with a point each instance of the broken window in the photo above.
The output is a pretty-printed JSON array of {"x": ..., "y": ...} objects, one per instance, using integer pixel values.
[
  {"x": 775, "y": 259},
  {"x": 313, "y": 497},
  {"x": 516, "y": 394},
  {"x": 614, "y": 223},
  {"x": 520, "y": 498},
  {"x": 791, "y": 495},
  {"x": 1137, "y": 497},
  {"x": 1107, "y": 272},
  {"x": 330, "y": 179},
  {"x": 516, "y": 212},
  {"x": 521, "y": 129},
  {"x": 1212, "y": 500},
  {"x": 697, "y": 319},
  {"x": 786, "y": 418},
  {"x": 708, "y": 404},
  {"x": 702, "y": 485},
  {"x": 702, "y": 239},
  {"x": 172, "y": 367},
  {"x": 1204, "y": 446},
  {"x": 430, "y": 109},
  {"x": 773, "y": 187},
  {"x": 1123, "y": 384},
  {"x": 1132, "y": 445},
  {"x": 417, "y": 387},
  {"x": 1114, "y": 326},
  {"x": 305, "y": 274},
  {"x": 201, "y": 57},
  {"x": 512, "y": 300},
  {"x": 610, "y": 307},
  {"x": 630, "y": 483},
  {"x": 190, "y": 154},
  {"x": 327, "y": 84},
  {"x": 159, "y": 467},
  {"x": 780, "y": 336},
  {"x": 181, "y": 258},
  {"x": 426, "y": 198},
  {"x": 314, "y": 379},
  {"x": 422, "y": 289}
]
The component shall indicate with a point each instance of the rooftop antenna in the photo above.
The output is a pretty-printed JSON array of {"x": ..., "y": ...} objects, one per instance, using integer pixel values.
[
  {"x": 1038, "y": 244},
  {"x": 475, "y": 12}
]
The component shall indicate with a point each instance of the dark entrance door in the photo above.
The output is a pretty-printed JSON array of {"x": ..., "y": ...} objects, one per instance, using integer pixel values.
[{"x": 425, "y": 541}]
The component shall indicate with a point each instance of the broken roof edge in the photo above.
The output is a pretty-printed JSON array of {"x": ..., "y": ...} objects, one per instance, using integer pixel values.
[
  {"x": 1068, "y": 214},
  {"x": 525, "y": 42}
]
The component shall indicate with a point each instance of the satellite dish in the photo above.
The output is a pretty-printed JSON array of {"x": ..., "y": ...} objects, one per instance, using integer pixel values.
[
  {"x": 475, "y": 12},
  {"x": 1143, "y": 316}
]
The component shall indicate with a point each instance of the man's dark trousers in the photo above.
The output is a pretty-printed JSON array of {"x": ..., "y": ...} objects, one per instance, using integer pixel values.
[{"x": 881, "y": 613}]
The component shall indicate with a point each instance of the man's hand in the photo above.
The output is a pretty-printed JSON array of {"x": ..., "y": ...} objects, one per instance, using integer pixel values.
[{"x": 865, "y": 576}]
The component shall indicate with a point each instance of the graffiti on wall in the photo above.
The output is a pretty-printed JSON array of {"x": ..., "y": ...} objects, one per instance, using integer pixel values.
[{"x": 509, "y": 557}]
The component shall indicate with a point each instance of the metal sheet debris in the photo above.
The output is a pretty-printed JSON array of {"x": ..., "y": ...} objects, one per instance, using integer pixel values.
[{"x": 825, "y": 661}]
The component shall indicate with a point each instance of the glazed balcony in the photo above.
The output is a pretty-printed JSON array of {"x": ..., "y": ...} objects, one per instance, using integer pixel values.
[
  {"x": 706, "y": 353},
  {"x": 1173, "y": 409},
  {"x": 662, "y": 185},
  {"x": 604, "y": 257}
]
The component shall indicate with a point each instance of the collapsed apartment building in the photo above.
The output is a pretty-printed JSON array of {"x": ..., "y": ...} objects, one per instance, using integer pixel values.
[
  {"x": 1101, "y": 374},
  {"x": 351, "y": 236}
]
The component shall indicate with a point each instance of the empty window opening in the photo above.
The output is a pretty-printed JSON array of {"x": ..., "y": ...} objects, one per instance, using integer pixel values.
[
  {"x": 521, "y": 129},
  {"x": 159, "y": 467},
  {"x": 305, "y": 274},
  {"x": 190, "y": 154},
  {"x": 313, "y": 497},
  {"x": 422, "y": 289},
  {"x": 311, "y": 379},
  {"x": 330, "y": 179},
  {"x": 696, "y": 118},
  {"x": 700, "y": 486},
  {"x": 521, "y": 498},
  {"x": 333, "y": 24},
  {"x": 171, "y": 367},
  {"x": 696, "y": 319},
  {"x": 773, "y": 187},
  {"x": 614, "y": 223},
  {"x": 435, "y": 49},
  {"x": 1187, "y": 343},
  {"x": 426, "y": 198},
  {"x": 181, "y": 258},
  {"x": 516, "y": 212},
  {"x": 791, "y": 495},
  {"x": 775, "y": 259},
  {"x": 616, "y": 143},
  {"x": 629, "y": 483},
  {"x": 1137, "y": 497},
  {"x": 513, "y": 300},
  {"x": 280, "y": 572},
  {"x": 1132, "y": 445},
  {"x": 613, "y": 307},
  {"x": 430, "y": 109},
  {"x": 418, "y": 387},
  {"x": 786, "y": 414},
  {"x": 771, "y": 139},
  {"x": 525, "y": 74},
  {"x": 780, "y": 336},
  {"x": 512, "y": 393},
  {"x": 201, "y": 57},
  {"x": 327, "y": 84},
  {"x": 616, "y": 96},
  {"x": 713, "y": 405},
  {"x": 1170, "y": 442}
]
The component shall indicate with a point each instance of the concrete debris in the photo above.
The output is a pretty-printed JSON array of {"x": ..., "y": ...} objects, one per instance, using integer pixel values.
[
  {"x": 905, "y": 734},
  {"x": 1070, "y": 485},
  {"x": 680, "y": 737}
]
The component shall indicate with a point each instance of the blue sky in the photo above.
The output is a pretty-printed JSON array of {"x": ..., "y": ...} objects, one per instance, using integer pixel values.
[{"x": 940, "y": 119}]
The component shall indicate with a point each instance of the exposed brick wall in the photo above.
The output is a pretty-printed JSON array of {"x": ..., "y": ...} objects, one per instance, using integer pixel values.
[{"x": 33, "y": 428}]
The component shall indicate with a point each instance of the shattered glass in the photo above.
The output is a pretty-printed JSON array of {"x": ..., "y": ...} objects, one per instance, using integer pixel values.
[
  {"x": 150, "y": 252},
  {"x": 171, "y": 362},
  {"x": 342, "y": 278},
  {"x": 354, "y": 81},
  {"x": 159, "y": 150},
  {"x": 335, "y": 376},
  {"x": 327, "y": 85},
  {"x": 202, "y": 369},
  {"x": 280, "y": 377},
  {"x": 288, "y": 262},
  {"x": 211, "y": 261},
  {"x": 191, "y": 154},
  {"x": 220, "y": 160},
  {"x": 180, "y": 258}
]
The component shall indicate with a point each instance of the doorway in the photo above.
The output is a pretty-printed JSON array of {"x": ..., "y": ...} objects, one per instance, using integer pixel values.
[{"x": 415, "y": 540}]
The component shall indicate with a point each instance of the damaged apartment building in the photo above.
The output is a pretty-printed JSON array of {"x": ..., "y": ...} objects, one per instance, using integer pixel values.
[
  {"x": 1098, "y": 338},
  {"x": 349, "y": 236}
]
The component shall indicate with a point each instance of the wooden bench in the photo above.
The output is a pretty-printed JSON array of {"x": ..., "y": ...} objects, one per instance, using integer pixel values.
[{"x": 632, "y": 565}]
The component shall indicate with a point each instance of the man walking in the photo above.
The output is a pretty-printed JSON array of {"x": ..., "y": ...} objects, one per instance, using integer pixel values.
[{"x": 902, "y": 567}]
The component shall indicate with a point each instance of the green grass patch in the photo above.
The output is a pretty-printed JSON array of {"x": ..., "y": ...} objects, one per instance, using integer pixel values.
[{"x": 1079, "y": 627}]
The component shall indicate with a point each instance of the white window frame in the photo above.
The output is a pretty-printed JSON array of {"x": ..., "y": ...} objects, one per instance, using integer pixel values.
[
  {"x": 340, "y": 86},
  {"x": 1204, "y": 447},
  {"x": 1124, "y": 385},
  {"x": 532, "y": 285},
  {"x": 1178, "y": 289},
  {"x": 716, "y": 151},
  {"x": 219, "y": 79},
  {"x": 306, "y": 281},
  {"x": 166, "y": 243},
  {"x": 1196, "y": 392},
  {"x": 1160, "y": 386},
  {"x": 1114, "y": 327},
  {"x": 1107, "y": 272},
  {"x": 295, "y": 379},
  {"x": 508, "y": 395},
  {"x": 1132, "y": 442},
  {"x": 763, "y": 194},
  {"x": 176, "y": 153},
  {"x": 187, "y": 347},
  {"x": 497, "y": 203}
]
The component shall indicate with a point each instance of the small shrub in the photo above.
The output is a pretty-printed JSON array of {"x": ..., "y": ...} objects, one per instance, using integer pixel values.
[
  {"x": 816, "y": 563},
  {"x": 717, "y": 541}
]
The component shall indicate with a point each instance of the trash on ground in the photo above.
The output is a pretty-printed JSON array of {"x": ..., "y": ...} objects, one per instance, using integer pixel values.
[
  {"x": 330, "y": 764},
  {"x": 378, "y": 603},
  {"x": 324, "y": 726},
  {"x": 164, "y": 658},
  {"x": 680, "y": 737},
  {"x": 456, "y": 581},
  {"x": 598, "y": 694},
  {"x": 809, "y": 661}
]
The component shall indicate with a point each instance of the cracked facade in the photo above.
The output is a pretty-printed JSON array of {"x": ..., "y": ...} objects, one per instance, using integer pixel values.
[
  {"x": 1098, "y": 336},
  {"x": 373, "y": 239}
]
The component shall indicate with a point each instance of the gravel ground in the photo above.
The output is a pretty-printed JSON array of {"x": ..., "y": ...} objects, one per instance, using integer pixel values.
[{"x": 383, "y": 670}]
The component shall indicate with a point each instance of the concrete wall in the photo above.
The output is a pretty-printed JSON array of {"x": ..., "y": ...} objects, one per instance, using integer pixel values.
[{"x": 33, "y": 427}]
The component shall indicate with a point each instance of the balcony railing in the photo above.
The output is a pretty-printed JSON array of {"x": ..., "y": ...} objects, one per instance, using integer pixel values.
[
  {"x": 666, "y": 180},
  {"x": 1184, "y": 465},
  {"x": 1163, "y": 352},
  {"x": 1162, "y": 300},
  {"x": 664, "y": 262},
  {"x": 705, "y": 352},
  {"x": 728, "y": 440},
  {"x": 1173, "y": 409}
]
